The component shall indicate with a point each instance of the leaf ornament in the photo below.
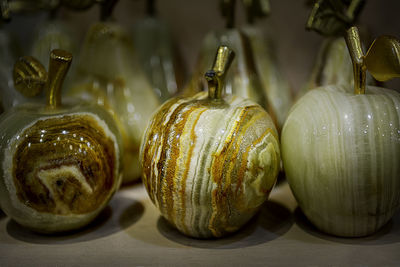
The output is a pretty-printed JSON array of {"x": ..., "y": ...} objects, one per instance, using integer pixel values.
[
  {"x": 383, "y": 58},
  {"x": 333, "y": 17}
]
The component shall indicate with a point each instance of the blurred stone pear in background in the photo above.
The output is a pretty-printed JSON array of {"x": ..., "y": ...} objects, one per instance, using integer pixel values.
[
  {"x": 255, "y": 74},
  {"x": 333, "y": 63},
  {"x": 49, "y": 34},
  {"x": 157, "y": 54},
  {"x": 108, "y": 73},
  {"x": 9, "y": 52}
]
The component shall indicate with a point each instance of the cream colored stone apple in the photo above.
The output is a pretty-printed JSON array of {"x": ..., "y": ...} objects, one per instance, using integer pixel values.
[{"x": 341, "y": 150}]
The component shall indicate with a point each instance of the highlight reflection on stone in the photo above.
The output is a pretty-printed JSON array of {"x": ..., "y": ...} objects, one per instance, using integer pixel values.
[
  {"x": 73, "y": 168},
  {"x": 59, "y": 168}
]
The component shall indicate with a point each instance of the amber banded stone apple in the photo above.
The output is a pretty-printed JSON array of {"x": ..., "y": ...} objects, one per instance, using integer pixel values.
[
  {"x": 60, "y": 164},
  {"x": 209, "y": 161}
]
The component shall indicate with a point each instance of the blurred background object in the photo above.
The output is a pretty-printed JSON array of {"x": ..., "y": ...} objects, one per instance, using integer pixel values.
[
  {"x": 190, "y": 20},
  {"x": 157, "y": 53}
]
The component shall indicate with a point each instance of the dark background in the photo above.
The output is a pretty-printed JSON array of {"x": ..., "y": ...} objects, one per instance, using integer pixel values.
[{"x": 190, "y": 20}]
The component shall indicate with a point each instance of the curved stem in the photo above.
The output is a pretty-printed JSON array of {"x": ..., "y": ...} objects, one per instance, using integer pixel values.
[
  {"x": 357, "y": 57},
  {"x": 59, "y": 64},
  {"x": 216, "y": 76}
]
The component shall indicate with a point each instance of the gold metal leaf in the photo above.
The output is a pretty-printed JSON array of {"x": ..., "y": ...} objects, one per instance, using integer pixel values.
[
  {"x": 29, "y": 76},
  {"x": 383, "y": 58},
  {"x": 333, "y": 17}
]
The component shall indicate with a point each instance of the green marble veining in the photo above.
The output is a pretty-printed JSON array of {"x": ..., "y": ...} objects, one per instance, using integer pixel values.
[{"x": 341, "y": 155}]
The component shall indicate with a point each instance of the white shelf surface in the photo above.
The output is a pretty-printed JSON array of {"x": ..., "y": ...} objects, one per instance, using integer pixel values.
[{"x": 130, "y": 232}]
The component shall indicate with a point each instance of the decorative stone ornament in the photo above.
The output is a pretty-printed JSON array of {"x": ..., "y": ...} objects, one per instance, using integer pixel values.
[
  {"x": 157, "y": 54},
  {"x": 109, "y": 74},
  {"x": 255, "y": 73},
  {"x": 341, "y": 150},
  {"x": 60, "y": 163},
  {"x": 209, "y": 161},
  {"x": 331, "y": 18}
]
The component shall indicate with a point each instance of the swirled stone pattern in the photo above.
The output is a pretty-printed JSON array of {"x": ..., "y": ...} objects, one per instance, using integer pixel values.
[
  {"x": 208, "y": 166},
  {"x": 65, "y": 166},
  {"x": 341, "y": 154}
]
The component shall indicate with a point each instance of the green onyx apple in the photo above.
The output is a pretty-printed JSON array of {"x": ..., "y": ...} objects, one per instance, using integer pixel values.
[
  {"x": 60, "y": 163},
  {"x": 341, "y": 150}
]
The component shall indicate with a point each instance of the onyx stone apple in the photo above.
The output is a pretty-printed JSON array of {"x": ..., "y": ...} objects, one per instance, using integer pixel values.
[
  {"x": 60, "y": 164},
  {"x": 209, "y": 161},
  {"x": 341, "y": 155},
  {"x": 341, "y": 150}
]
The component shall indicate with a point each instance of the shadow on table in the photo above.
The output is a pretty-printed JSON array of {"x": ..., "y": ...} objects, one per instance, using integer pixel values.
[
  {"x": 271, "y": 222},
  {"x": 121, "y": 213},
  {"x": 388, "y": 234}
]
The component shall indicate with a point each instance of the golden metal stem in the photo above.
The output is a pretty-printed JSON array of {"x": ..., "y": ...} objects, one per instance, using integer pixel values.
[
  {"x": 357, "y": 57},
  {"x": 216, "y": 76},
  {"x": 59, "y": 64}
]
